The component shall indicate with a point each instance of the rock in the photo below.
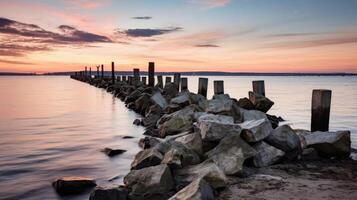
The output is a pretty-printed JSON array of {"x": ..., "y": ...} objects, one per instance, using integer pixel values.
[
  {"x": 191, "y": 141},
  {"x": 260, "y": 102},
  {"x": 178, "y": 153},
  {"x": 177, "y": 122},
  {"x": 132, "y": 96},
  {"x": 274, "y": 120},
  {"x": 150, "y": 180},
  {"x": 137, "y": 122},
  {"x": 256, "y": 130},
  {"x": 150, "y": 131},
  {"x": 173, "y": 158},
  {"x": 221, "y": 104},
  {"x": 146, "y": 158},
  {"x": 127, "y": 137},
  {"x": 284, "y": 138},
  {"x": 245, "y": 103},
  {"x": 230, "y": 154},
  {"x": 142, "y": 103},
  {"x": 249, "y": 115},
  {"x": 148, "y": 142},
  {"x": 199, "y": 100},
  {"x": 330, "y": 144},
  {"x": 197, "y": 190},
  {"x": 267, "y": 155},
  {"x": 170, "y": 90},
  {"x": 113, "y": 152},
  {"x": 182, "y": 99},
  {"x": 116, "y": 193},
  {"x": 150, "y": 120},
  {"x": 217, "y": 118},
  {"x": 158, "y": 99},
  {"x": 207, "y": 170},
  {"x": 172, "y": 108},
  {"x": 214, "y": 131},
  {"x": 73, "y": 185}
]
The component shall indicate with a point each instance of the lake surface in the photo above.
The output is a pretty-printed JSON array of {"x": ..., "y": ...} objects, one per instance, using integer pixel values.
[{"x": 54, "y": 126}]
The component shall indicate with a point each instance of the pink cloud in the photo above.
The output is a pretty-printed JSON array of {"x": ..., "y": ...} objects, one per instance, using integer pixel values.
[
  {"x": 87, "y": 4},
  {"x": 209, "y": 3}
]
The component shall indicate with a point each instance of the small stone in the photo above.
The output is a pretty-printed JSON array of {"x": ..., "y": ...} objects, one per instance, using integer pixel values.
[
  {"x": 137, "y": 122},
  {"x": 73, "y": 185},
  {"x": 113, "y": 152}
]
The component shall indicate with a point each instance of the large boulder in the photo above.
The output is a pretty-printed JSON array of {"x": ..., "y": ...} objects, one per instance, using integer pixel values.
[
  {"x": 245, "y": 103},
  {"x": 284, "y": 138},
  {"x": 214, "y": 131},
  {"x": 197, "y": 190},
  {"x": 170, "y": 90},
  {"x": 221, "y": 104},
  {"x": 260, "y": 102},
  {"x": 255, "y": 130},
  {"x": 230, "y": 154},
  {"x": 150, "y": 180},
  {"x": 148, "y": 142},
  {"x": 249, "y": 115},
  {"x": 178, "y": 155},
  {"x": 115, "y": 193},
  {"x": 330, "y": 144},
  {"x": 143, "y": 103},
  {"x": 132, "y": 96},
  {"x": 207, "y": 170},
  {"x": 266, "y": 154},
  {"x": 146, "y": 158},
  {"x": 183, "y": 99},
  {"x": 217, "y": 118},
  {"x": 199, "y": 100},
  {"x": 191, "y": 141},
  {"x": 158, "y": 99},
  {"x": 177, "y": 122},
  {"x": 73, "y": 185}
]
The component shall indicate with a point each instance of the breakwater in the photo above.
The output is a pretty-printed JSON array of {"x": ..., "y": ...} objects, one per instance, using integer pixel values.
[{"x": 207, "y": 141}]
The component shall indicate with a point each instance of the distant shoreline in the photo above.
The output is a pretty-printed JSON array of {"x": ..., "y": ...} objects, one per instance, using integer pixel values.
[{"x": 200, "y": 73}]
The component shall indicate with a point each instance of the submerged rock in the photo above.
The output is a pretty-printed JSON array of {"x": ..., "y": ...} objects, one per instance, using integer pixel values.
[
  {"x": 137, "y": 122},
  {"x": 256, "y": 130},
  {"x": 113, "y": 152},
  {"x": 150, "y": 180},
  {"x": 266, "y": 154},
  {"x": 115, "y": 193},
  {"x": 230, "y": 154},
  {"x": 197, "y": 190},
  {"x": 146, "y": 158},
  {"x": 73, "y": 185}
]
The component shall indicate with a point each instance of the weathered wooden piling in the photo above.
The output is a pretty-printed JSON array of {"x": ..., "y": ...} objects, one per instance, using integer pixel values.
[
  {"x": 143, "y": 80},
  {"x": 102, "y": 71},
  {"x": 177, "y": 80},
  {"x": 218, "y": 87},
  {"x": 98, "y": 71},
  {"x": 167, "y": 79},
  {"x": 90, "y": 72},
  {"x": 130, "y": 80},
  {"x": 202, "y": 86},
  {"x": 136, "y": 74},
  {"x": 123, "y": 78},
  {"x": 160, "y": 82},
  {"x": 258, "y": 87},
  {"x": 320, "y": 110},
  {"x": 85, "y": 72},
  {"x": 184, "y": 84},
  {"x": 118, "y": 78},
  {"x": 113, "y": 73},
  {"x": 151, "y": 74}
]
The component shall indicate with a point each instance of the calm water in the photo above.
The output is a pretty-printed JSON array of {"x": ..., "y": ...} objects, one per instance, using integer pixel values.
[{"x": 55, "y": 126}]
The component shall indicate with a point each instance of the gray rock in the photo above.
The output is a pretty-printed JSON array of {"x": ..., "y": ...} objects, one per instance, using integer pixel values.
[
  {"x": 177, "y": 122},
  {"x": 260, "y": 102},
  {"x": 116, "y": 193},
  {"x": 146, "y": 158},
  {"x": 137, "y": 122},
  {"x": 245, "y": 103},
  {"x": 150, "y": 180},
  {"x": 113, "y": 152},
  {"x": 230, "y": 154},
  {"x": 214, "y": 131},
  {"x": 330, "y": 144},
  {"x": 182, "y": 99},
  {"x": 267, "y": 155},
  {"x": 220, "y": 105},
  {"x": 73, "y": 185},
  {"x": 173, "y": 158},
  {"x": 249, "y": 115},
  {"x": 217, "y": 118},
  {"x": 142, "y": 103},
  {"x": 170, "y": 90},
  {"x": 197, "y": 190},
  {"x": 256, "y": 130},
  {"x": 178, "y": 155},
  {"x": 158, "y": 99},
  {"x": 207, "y": 170},
  {"x": 191, "y": 141},
  {"x": 284, "y": 138},
  {"x": 148, "y": 142}
]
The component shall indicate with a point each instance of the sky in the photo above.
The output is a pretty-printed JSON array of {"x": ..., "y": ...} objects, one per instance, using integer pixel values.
[{"x": 179, "y": 35}]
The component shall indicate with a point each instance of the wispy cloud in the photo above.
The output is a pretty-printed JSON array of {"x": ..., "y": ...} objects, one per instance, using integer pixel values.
[
  {"x": 142, "y": 17},
  {"x": 15, "y": 62},
  {"x": 206, "y": 45},
  {"x": 148, "y": 32},
  {"x": 87, "y": 4},
  {"x": 209, "y": 3}
]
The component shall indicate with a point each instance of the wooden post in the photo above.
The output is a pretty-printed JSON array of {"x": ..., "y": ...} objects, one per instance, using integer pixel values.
[
  {"x": 218, "y": 87},
  {"x": 118, "y": 78},
  {"x": 320, "y": 110},
  {"x": 143, "y": 80},
  {"x": 97, "y": 71},
  {"x": 177, "y": 79},
  {"x": 184, "y": 84},
  {"x": 160, "y": 82},
  {"x": 151, "y": 74},
  {"x": 167, "y": 79},
  {"x": 258, "y": 87},
  {"x": 113, "y": 73},
  {"x": 102, "y": 71},
  {"x": 123, "y": 78},
  {"x": 202, "y": 86},
  {"x": 130, "y": 80},
  {"x": 85, "y": 73},
  {"x": 136, "y": 73},
  {"x": 90, "y": 72}
]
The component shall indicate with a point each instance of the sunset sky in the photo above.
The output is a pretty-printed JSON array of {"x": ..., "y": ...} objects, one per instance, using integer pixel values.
[{"x": 179, "y": 35}]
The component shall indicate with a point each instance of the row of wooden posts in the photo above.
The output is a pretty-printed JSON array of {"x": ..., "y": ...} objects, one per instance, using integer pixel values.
[{"x": 320, "y": 106}]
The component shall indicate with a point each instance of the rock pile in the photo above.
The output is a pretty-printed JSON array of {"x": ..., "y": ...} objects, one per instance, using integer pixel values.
[{"x": 193, "y": 144}]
